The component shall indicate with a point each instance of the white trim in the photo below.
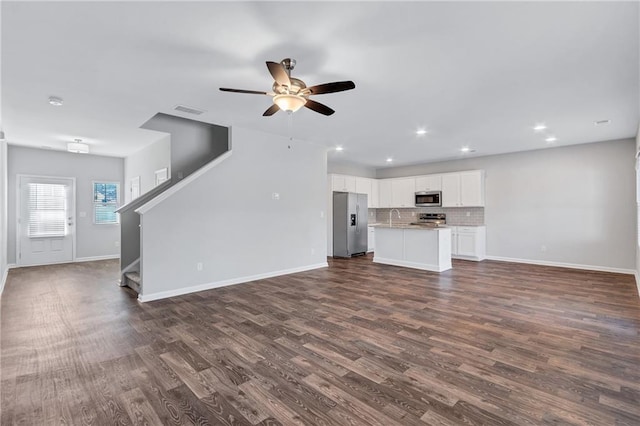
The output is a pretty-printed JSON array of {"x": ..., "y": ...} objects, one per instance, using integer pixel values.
[
  {"x": 94, "y": 258},
  {"x": 78, "y": 260},
  {"x": 224, "y": 283},
  {"x": 4, "y": 280},
  {"x": 178, "y": 186},
  {"x": 414, "y": 265},
  {"x": 637, "y": 282},
  {"x": 563, "y": 265}
]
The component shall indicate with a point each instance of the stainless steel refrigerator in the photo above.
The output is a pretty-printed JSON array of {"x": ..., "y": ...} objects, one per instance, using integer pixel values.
[{"x": 349, "y": 224}]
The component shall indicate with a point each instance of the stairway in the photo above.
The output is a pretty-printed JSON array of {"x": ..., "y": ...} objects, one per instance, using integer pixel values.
[{"x": 132, "y": 280}]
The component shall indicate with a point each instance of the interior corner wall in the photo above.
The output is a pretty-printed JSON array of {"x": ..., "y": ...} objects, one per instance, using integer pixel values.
[
  {"x": 144, "y": 163},
  {"x": 193, "y": 143},
  {"x": 92, "y": 241},
  {"x": 577, "y": 202},
  {"x": 3, "y": 214},
  {"x": 261, "y": 212},
  {"x": 637, "y": 182}
]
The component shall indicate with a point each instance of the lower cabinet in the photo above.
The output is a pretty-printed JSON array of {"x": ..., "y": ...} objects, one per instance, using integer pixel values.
[
  {"x": 469, "y": 242},
  {"x": 371, "y": 239}
]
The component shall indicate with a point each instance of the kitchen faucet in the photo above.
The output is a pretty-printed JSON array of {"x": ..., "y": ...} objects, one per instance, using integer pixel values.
[{"x": 391, "y": 215}]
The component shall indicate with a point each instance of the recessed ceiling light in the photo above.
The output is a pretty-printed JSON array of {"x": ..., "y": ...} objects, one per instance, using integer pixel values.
[
  {"x": 389, "y": 160},
  {"x": 551, "y": 139},
  {"x": 56, "y": 101},
  {"x": 465, "y": 149},
  {"x": 421, "y": 132},
  {"x": 339, "y": 148},
  {"x": 540, "y": 127},
  {"x": 602, "y": 122}
]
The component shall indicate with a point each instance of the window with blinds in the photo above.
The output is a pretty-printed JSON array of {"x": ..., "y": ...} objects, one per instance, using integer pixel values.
[
  {"x": 105, "y": 202},
  {"x": 47, "y": 210}
]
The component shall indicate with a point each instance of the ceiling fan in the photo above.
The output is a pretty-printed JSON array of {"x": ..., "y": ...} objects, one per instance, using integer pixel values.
[{"x": 290, "y": 94}]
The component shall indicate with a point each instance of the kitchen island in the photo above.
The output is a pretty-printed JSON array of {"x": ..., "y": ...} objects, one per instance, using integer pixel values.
[{"x": 413, "y": 246}]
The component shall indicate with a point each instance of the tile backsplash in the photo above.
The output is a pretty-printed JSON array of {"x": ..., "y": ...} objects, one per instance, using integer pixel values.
[{"x": 455, "y": 216}]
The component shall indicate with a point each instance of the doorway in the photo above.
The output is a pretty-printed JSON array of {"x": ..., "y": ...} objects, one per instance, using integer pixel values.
[{"x": 46, "y": 220}]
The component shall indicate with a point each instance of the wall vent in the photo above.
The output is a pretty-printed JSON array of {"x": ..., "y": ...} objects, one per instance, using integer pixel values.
[{"x": 188, "y": 110}]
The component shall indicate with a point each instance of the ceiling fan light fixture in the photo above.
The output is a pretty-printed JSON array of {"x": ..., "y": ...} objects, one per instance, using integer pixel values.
[{"x": 288, "y": 102}]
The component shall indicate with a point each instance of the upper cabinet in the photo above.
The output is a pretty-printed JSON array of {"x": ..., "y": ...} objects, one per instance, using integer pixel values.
[
  {"x": 384, "y": 198},
  {"x": 464, "y": 189},
  {"x": 460, "y": 189},
  {"x": 429, "y": 183},
  {"x": 369, "y": 187},
  {"x": 403, "y": 192},
  {"x": 343, "y": 183}
]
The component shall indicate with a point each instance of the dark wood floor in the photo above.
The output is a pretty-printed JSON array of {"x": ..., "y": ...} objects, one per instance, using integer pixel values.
[{"x": 486, "y": 343}]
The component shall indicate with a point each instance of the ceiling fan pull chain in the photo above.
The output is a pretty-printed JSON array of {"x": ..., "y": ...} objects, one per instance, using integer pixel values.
[{"x": 290, "y": 114}]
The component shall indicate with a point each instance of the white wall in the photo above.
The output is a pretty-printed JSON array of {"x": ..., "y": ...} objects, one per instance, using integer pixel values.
[
  {"x": 637, "y": 181},
  {"x": 577, "y": 201},
  {"x": 351, "y": 169},
  {"x": 145, "y": 163},
  {"x": 228, "y": 220},
  {"x": 3, "y": 214},
  {"x": 92, "y": 240}
]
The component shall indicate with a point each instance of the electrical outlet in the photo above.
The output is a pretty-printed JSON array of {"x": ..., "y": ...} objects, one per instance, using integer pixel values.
[
  {"x": 117, "y": 243},
  {"x": 543, "y": 248},
  {"x": 275, "y": 196},
  {"x": 313, "y": 251},
  {"x": 199, "y": 266},
  {"x": 468, "y": 214},
  {"x": 321, "y": 214},
  {"x": 82, "y": 214},
  {"x": 413, "y": 214}
]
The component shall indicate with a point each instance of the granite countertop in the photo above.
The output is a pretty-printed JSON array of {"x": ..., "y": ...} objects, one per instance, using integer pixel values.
[{"x": 408, "y": 226}]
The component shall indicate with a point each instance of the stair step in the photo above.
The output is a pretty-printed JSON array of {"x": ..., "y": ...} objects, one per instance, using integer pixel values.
[{"x": 132, "y": 280}]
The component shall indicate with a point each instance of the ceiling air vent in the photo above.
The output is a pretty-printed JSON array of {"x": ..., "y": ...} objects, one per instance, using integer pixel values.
[{"x": 188, "y": 110}]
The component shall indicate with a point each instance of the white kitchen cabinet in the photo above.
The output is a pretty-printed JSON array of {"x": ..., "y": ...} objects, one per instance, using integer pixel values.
[
  {"x": 429, "y": 183},
  {"x": 369, "y": 187},
  {"x": 468, "y": 242},
  {"x": 472, "y": 188},
  {"x": 371, "y": 239},
  {"x": 464, "y": 189},
  {"x": 384, "y": 193},
  {"x": 374, "y": 193},
  {"x": 451, "y": 190},
  {"x": 343, "y": 183},
  {"x": 403, "y": 192}
]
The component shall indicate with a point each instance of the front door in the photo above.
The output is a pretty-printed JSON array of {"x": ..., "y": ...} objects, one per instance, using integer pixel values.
[{"x": 46, "y": 223}]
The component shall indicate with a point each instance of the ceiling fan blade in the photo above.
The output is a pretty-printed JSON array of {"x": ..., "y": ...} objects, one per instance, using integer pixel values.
[
  {"x": 271, "y": 110},
  {"x": 318, "y": 107},
  {"x": 251, "y": 92},
  {"x": 336, "y": 86},
  {"x": 279, "y": 74}
]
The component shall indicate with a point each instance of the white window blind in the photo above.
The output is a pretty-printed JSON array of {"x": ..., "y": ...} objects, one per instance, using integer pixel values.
[
  {"x": 47, "y": 210},
  {"x": 105, "y": 202}
]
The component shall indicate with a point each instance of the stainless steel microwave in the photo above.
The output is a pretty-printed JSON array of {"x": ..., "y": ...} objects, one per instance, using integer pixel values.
[{"x": 429, "y": 199}]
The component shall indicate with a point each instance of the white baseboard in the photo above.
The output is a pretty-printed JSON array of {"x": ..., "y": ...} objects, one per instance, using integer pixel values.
[
  {"x": 637, "y": 282},
  {"x": 94, "y": 258},
  {"x": 414, "y": 265},
  {"x": 3, "y": 280},
  {"x": 563, "y": 265},
  {"x": 224, "y": 283}
]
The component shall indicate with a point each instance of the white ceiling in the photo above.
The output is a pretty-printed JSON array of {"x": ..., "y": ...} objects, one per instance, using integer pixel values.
[{"x": 474, "y": 74}]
